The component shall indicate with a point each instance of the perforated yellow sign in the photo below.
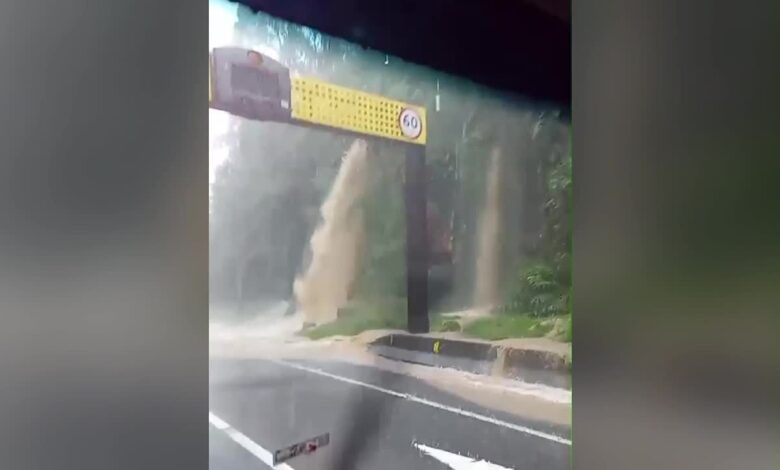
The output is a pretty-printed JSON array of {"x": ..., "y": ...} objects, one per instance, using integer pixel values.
[{"x": 318, "y": 102}]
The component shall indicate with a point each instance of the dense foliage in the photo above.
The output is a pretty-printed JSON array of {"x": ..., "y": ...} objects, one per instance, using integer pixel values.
[{"x": 543, "y": 287}]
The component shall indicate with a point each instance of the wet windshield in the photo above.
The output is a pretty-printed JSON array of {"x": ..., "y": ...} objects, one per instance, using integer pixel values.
[{"x": 390, "y": 252}]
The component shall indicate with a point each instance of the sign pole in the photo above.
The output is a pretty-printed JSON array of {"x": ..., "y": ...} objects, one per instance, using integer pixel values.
[{"x": 416, "y": 240}]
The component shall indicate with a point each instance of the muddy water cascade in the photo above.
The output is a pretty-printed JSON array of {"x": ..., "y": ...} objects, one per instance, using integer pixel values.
[
  {"x": 486, "y": 291},
  {"x": 337, "y": 241}
]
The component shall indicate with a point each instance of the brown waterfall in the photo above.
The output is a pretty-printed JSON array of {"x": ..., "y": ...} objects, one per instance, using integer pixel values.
[
  {"x": 486, "y": 292},
  {"x": 336, "y": 243}
]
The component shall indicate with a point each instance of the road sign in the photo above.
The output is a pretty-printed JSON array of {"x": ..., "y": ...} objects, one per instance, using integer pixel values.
[
  {"x": 410, "y": 123},
  {"x": 317, "y": 102},
  {"x": 246, "y": 83}
]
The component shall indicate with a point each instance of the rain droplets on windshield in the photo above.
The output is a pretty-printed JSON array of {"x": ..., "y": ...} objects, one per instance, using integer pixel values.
[{"x": 308, "y": 277}]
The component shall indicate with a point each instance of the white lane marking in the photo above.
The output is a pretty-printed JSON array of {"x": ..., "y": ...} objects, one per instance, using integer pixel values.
[
  {"x": 217, "y": 422},
  {"x": 254, "y": 448},
  {"x": 519, "y": 387},
  {"x": 432, "y": 404},
  {"x": 457, "y": 461}
]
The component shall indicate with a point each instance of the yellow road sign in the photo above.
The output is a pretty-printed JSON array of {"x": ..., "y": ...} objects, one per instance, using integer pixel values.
[{"x": 318, "y": 102}]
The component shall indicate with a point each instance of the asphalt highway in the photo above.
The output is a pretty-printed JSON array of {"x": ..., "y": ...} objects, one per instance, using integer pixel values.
[{"x": 376, "y": 419}]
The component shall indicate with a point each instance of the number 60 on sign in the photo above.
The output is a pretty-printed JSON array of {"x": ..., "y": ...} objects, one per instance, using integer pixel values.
[{"x": 411, "y": 123}]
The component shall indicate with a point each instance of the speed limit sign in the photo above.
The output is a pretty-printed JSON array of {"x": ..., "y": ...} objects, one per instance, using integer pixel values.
[{"x": 411, "y": 124}]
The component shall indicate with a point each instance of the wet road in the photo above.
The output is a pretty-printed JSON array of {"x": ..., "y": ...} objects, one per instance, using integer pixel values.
[{"x": 376, "y": 419}]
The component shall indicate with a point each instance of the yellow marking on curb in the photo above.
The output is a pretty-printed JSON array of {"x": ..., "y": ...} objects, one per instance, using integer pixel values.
[{"x": 436, "y": 346}]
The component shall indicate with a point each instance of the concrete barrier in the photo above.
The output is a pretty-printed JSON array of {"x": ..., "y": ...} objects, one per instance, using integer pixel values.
[{"x": 478, "y": 357}]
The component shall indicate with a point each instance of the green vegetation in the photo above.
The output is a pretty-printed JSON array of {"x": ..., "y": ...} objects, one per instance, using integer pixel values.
[
  {"x": 444, "y": 324},
  {"x": 369, "y": 316},
  {"x": 567, "y": 330},
  {"x": 542, "y": 287},
  {"x": 383, "y": 261},
  {"x": 537, "y": 291},
  {"x": 363, "y": 317},
  {"x": 508, "y": 326}
]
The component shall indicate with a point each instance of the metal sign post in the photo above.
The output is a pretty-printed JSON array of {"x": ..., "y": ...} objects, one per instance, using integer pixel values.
[
  {"x": 245, "y": 83},
  {"x": 416, "y": 241}
]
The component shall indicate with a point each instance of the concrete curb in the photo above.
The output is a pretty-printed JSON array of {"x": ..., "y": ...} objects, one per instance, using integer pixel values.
[{"x": 529, "y": 365}]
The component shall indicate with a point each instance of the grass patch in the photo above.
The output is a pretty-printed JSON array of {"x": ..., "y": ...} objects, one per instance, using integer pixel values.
[
  {"x": 360, "y": 318},
  {"x": 507, "y": 326},
  {"x": 567, "y": 330},
  {"x": 388, "y": 315},
  {"x": 443, "y": 324}
]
